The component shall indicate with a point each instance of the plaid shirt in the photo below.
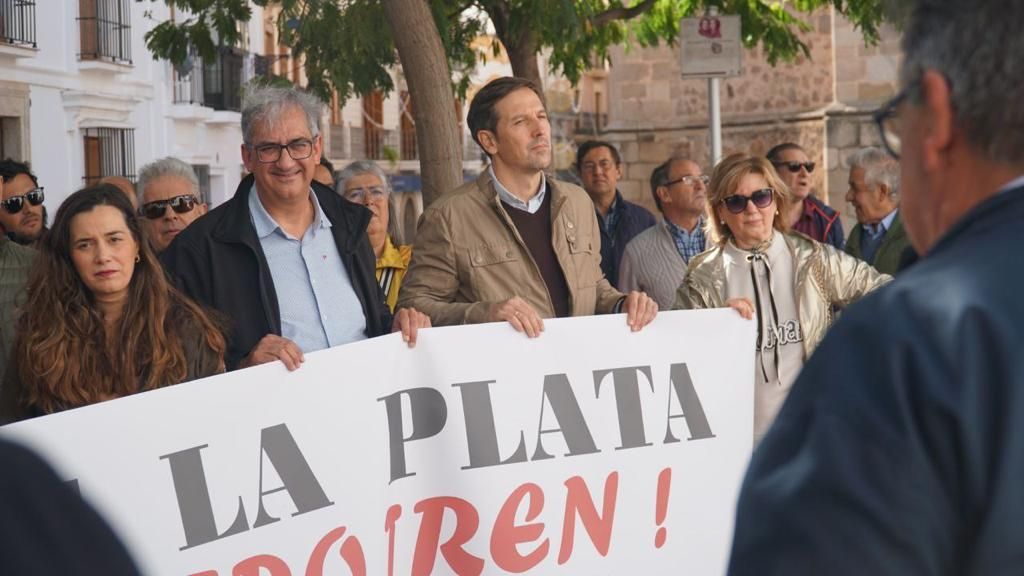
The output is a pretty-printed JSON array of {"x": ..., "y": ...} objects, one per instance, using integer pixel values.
[
  {"x": 688, "y": 245},
  {"x": 610, "y": 222}
]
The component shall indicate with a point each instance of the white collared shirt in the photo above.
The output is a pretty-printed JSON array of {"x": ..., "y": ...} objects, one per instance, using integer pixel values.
[{"x": 507, "y": 197}]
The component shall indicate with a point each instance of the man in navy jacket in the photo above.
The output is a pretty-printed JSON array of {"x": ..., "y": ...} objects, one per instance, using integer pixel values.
[
  {"x": 600, "y": 167},
  {"x": 900, "y": 449}
]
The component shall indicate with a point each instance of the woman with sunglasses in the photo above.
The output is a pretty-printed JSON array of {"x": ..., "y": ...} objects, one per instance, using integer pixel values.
[
  {"x": 787, "y": 281},
  {"x": 100, "y": 320},
  {"x": 806, "y": 214}
]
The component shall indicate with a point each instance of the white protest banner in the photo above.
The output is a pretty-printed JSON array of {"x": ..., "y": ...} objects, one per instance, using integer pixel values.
[{"x": 588, "y": 450}]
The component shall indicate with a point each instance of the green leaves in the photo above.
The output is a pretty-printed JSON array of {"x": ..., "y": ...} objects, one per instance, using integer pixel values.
[
  {"x": 198, "y": 23},
  {"x": 348, "y": 46}
]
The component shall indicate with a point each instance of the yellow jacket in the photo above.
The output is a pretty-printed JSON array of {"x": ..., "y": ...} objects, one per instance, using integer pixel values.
[
  {"x": 825, "y": 277},
  {"x": 391, "y": 267}
]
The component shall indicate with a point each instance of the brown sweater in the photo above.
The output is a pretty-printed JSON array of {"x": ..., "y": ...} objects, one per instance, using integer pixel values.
[{"x": 535, "y": 230}]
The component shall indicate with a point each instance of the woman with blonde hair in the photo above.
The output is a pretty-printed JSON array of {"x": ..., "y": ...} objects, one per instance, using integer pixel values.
[
  {"x": 100, "y": 320},
  {"x": 788, "y": 281}
]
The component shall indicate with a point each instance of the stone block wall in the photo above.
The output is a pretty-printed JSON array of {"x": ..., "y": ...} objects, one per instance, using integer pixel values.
[
  {"x": 822, "y": 103},
  {"x": 847, "y": 132},
  {"x": 642, "y": 151}
]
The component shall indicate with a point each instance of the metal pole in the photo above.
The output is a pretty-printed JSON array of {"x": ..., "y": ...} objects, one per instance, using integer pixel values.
[{"x": 715, "y": 124}]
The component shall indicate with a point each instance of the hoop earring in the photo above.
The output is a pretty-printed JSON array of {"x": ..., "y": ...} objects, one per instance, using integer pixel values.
[{"x": 138, "y": 258}]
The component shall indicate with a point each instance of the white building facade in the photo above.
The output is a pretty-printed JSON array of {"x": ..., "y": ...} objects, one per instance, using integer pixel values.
[{"x": 82, "y": 98}]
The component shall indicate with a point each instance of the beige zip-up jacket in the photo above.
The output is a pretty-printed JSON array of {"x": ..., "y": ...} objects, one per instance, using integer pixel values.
[
  {"x": 469, "y": 255},
  {"x": 825, "y": 277}
]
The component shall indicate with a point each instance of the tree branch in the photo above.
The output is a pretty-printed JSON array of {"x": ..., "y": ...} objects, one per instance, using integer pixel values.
[{"x": 621, "y": 13}]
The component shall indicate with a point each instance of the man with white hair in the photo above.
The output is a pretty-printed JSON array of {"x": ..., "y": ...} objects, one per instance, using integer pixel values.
[
  {"x": 900, "y": 449},
  {"x": 168, "y": 200},
  {"x": 286, "y": 260},
  {"x": 879, "y": 237}
]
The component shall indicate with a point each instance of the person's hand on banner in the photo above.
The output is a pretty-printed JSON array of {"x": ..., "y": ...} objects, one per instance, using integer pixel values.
[
  {"x": 408, "y": 321},
  {"x": 640, "y": 310},
  {"x": 743, "y": 306},
  {"x": 273, "y": 347},
  {"x": 519, "y": 314}
]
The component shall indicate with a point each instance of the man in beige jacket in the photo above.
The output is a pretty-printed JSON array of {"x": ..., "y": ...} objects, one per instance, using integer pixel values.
[{"x": 514, "y": 245}]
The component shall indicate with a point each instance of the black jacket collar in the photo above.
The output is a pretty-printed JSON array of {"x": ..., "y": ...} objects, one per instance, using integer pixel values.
[{"x": 349, "y": 221}]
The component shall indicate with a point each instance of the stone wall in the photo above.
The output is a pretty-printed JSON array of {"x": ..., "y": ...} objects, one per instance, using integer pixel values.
[
  {"x": 822, "y": 103},
  {"x": 642, "y": 151}
]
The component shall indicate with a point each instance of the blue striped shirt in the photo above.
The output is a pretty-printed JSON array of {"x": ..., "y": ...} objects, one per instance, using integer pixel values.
[{"x": 319, "y": 308}]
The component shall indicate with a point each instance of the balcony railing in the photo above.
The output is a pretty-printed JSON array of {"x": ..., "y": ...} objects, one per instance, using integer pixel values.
[
  {"x": 218, "y": 83},
  {"x": 18, "y": 22},
  {"x": 590, "y": 123},
  {"x": 108, "y": 152},
  {"x": 106, "y": 31}
]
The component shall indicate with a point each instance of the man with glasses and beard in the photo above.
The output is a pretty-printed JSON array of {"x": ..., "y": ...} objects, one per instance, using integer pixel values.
[
  {"x": 901, "y": 447},
  {"x": 168, "y": 199},
  {"x": 807, "y": 214},
  {"x": 15, "y": 262},
  {"x": 22, "y": 214},
  {"x": 286, "y": 260}
]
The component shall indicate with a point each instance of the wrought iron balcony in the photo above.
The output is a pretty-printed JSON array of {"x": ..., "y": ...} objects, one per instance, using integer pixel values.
[
  {"x": 18, "y": 22},
  {"x": 106, "y": 31},
  {"x": 218, "y": 83}
]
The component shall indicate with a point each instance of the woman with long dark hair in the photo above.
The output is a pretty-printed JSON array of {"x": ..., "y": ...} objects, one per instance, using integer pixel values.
[{"x": 100, "y": 319}]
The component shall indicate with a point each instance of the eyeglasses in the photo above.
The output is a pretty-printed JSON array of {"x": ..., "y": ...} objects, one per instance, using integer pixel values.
[
  {"x": 761, "y": 198},
  {"x": 690, "y": 180},
  {"x": 14, "y": 204},
  {"x": 795, "y": 167},
  {"x": 604, "y": 165},
  {"x": 298, "y": 149},
  {"x": 888, "y": 122},
  {"x": 157, "y": 209},
  {"x": 360, "y": 194}
]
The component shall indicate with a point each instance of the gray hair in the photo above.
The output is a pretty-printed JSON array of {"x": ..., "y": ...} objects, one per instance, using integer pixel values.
[
  {"x": 879, "y": 168},
  {"x": 979, "y": 48},
  {"x": 169, "y": 166},
  {"x": 360, "y": 167},
  {"x": 266, "y": 105}
]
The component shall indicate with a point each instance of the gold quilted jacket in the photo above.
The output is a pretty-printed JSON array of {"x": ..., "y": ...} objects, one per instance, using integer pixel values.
[{"x": 825, "y": 277}]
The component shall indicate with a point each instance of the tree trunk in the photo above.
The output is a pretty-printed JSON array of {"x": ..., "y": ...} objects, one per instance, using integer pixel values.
[
  {"x": 522, "y": 54},
  {"x": 520, "y": 45},
  {"x": 430, "y": 87}
]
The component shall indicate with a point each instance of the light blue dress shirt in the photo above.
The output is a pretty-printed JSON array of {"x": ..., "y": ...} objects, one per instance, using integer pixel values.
[
  {"x": 507, "y": 197},
  {"x": 319, "y": 308}
]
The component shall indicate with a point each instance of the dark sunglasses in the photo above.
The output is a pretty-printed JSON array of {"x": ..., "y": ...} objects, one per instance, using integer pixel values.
[
  {"x": 180, "y": 204},
  {"x": 761, "y": 198},
  {"x": 14, "y": 204},
  {"x": 794, "y": 167}
]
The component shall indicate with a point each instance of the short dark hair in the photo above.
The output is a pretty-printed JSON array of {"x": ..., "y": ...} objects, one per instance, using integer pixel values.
[
  {"x": 11, "y": 168},
  {"x": 589, "y": 145},
  {"x": 327, "y": 164},
  {"x": 481, "y": 110},
  {"x": 776, "y": 151},
  {"x": 659, "y": 177}
]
